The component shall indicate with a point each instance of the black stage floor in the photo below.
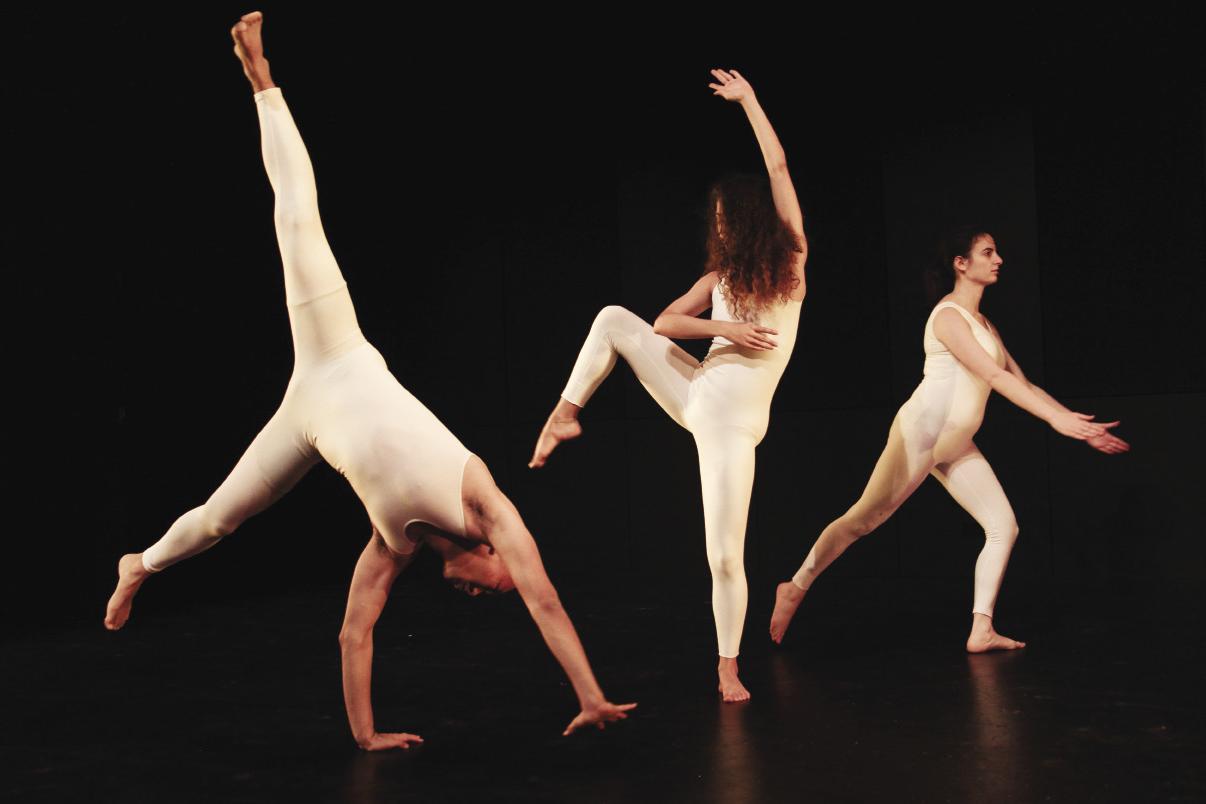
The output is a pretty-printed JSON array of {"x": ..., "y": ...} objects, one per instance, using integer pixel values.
[{"x": 239, "y": 701}]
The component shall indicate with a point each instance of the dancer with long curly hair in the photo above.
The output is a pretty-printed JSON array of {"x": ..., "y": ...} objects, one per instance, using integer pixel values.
[{"x": 754, "y": 285}]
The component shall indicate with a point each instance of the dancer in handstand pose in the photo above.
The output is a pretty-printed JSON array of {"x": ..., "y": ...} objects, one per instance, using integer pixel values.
[{"x": 417, "y": 481}]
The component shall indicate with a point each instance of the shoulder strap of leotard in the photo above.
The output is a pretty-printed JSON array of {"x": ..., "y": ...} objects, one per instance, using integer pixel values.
[{"x": 968, "y": 316}]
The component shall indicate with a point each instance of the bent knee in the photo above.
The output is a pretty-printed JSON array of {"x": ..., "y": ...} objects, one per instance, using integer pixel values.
[
  {"x": 216, "y": 525},
  {"x": 856, "y": 527},
  {"x": 614, "y": 317},
  {"x": 1004, "y": 531}
]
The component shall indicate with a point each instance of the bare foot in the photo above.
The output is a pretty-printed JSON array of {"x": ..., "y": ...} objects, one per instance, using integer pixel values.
[
  {"x": 561, "y": 426},
  {"x": 249, "y": 47},
  {"x": 730, "y": 687},
  {"x": 787, "y": 600},
  {"x": 130, "y": 575},
  {"x": 984, "y": 637}
]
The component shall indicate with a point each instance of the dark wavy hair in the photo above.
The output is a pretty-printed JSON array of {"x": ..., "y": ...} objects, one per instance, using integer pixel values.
[
  {"x": 940, "y": 271},
  {"x": 755, "y": 257}
]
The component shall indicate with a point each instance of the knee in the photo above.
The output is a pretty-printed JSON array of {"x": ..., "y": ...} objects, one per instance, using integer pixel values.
[
  {"x": 613, "y": 317},
  {"x": 727, "y": 566},
  {"x": 1003, "y": 531},
  {"x": 216, "y": 525},
  {"x": 295, "y": 215},
  {"x": 859, "y": 526}
]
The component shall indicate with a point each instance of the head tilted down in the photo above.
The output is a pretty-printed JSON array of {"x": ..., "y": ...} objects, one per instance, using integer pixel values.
[
  {"x": 749, "y": 245},
  {"x": 472, "y": 567}
]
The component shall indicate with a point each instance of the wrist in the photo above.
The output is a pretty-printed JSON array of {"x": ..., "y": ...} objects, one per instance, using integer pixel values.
[{"x": 591, "y": 700}]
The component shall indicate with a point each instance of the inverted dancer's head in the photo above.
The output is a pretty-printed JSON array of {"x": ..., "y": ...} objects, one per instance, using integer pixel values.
[
  {"x": 749, "y": 245},
  {"x": 471, "y": 567},
  {"x": 964, "y": 254}
]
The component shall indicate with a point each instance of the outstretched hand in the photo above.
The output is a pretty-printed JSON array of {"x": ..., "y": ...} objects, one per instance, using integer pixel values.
[
  {"x": 599, "y": 715},
  {"x": 383, "y": 742},
  {"x": 1108, "y": 443},
  {"x": 732, "y": 86},
  {"x": 1078, "y": 425}
]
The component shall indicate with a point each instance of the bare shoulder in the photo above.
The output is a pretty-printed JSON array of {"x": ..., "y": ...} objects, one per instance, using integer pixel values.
[{"x": 948, "y": 321}]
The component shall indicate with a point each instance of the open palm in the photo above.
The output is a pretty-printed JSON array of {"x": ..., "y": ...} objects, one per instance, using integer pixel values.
[{"x": 732, "y": 86}]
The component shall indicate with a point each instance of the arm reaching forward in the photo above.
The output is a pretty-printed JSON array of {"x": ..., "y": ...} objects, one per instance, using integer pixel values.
[{"x": 956, "y": 334}]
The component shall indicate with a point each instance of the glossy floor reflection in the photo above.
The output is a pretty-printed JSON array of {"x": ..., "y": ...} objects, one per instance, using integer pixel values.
[{"x": 241, "y": 703}]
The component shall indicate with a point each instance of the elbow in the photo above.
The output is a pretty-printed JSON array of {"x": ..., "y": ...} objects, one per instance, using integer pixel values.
[
  {"x": 778, "y": 167},
  {"x": 659, "y": 325},
  {"x": 546, "y": 603},
  {"x": 996, "y": 379}
]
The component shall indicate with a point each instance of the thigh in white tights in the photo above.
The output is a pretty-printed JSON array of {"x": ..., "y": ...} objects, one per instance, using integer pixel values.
[
  {"x": 901, "y": 468},
  {"x": 932, "y": 434},
  {"x": 724, "y": 402},
  {"x": 342, "y": 404}
]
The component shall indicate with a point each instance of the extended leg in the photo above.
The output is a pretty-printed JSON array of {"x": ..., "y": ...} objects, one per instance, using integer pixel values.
[
  {"x": 320, "y": 309},
  {"x": 897, "y": 475},
  {"x": 726, "y": 471},
  {"x": 971, "y": 481},
  {"x": 275, "y": 461},
  {"x": 663, "y": 367}
]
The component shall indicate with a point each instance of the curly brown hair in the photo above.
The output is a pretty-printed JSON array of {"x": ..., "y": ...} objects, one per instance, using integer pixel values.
[{"x": 754, "y": 257}]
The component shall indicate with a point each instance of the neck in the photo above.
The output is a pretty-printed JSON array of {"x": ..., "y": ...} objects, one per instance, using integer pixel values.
[{"x": 967, "y": 295}]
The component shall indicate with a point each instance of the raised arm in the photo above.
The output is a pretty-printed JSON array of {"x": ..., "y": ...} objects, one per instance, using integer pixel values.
[
  {"x": 951, "y": 328},
  {"x": 376, "y": 571},
  {"x": 515, "y": 546},
  {"x": 732, "y": 86},
  {"x": 680, "y": 319}
]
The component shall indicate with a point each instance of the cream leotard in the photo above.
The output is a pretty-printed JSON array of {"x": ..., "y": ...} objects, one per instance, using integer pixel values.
[{"x": 342, "y": 404}]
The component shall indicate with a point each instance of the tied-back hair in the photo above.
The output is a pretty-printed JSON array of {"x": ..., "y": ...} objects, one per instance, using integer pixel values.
[
  {"x": 755, "y": 257},
  {"x": 940, "y": 270}
]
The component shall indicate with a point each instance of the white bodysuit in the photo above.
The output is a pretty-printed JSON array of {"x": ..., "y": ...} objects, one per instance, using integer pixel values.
[
  {"x": 342, "y": 405},
  {"x": 932, "y": 434},
  {"x": 724, "y": 401}
]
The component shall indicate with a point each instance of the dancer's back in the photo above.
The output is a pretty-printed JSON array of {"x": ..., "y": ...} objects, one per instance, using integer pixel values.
[{"x": 734, "y": 385}]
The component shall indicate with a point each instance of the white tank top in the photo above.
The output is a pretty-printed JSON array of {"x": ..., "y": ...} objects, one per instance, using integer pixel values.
[{"x": 783, "y": 317}]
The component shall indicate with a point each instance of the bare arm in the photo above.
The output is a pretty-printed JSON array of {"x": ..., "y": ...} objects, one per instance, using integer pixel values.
[
  {"x": 680, "y": 319},
  {"x": 375, "y": 573},
  {"x": 518, "y": 551},
  {"x": 734, "y": 87},
  {"x": 951, "y": 328},
  {"x": 1103, "y": 442}
]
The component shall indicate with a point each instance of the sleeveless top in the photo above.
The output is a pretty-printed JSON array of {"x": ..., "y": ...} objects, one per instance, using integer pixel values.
[
  {"x": 939, "y": 362},
  {"x": 784, "y": 317}
]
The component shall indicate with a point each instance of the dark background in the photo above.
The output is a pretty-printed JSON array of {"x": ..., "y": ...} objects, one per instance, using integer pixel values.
[{"x": 487, "y": 186}]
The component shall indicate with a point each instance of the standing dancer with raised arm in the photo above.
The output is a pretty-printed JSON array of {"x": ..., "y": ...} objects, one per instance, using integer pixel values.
[
  {"x": 754, "y": 285},
  {"x": 965, "y": 360},
  {"x": 417, "y": 481}
]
